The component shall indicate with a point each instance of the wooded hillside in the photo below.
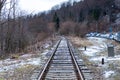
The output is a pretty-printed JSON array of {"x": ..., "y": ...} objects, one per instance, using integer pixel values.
[{"x": 73, "y": 18}]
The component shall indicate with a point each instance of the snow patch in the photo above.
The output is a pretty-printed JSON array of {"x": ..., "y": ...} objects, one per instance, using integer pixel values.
[
  {"x": 98, "y": 59},
  {"x": 10, "y": 64},
  {"x": 108, "y": 73},
  {"x": 94, "y": 55},
  {"x": 26, "y": 59},
  {"x": 26, "y": 56},
  {"x": 98, "y": 46},
  {"x": 106, "y": 59}
]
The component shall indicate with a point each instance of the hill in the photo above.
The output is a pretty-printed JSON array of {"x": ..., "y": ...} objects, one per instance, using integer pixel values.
[{"x": 17, "y": 31}]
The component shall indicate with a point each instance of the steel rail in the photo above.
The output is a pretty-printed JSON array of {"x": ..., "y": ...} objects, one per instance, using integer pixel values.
[
  {"x": 78, "y": 71},
  {"x": 47, "y": 65}
]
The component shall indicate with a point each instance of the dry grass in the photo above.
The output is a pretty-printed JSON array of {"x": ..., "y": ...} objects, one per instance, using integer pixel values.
[
  {"x": 117, "y": 77},
  {"x": 112, "y": 65},
  {"x": 22, "y": 73},
  {"x": 25, "y": 72},
  {"x": 80, "y": 42}
]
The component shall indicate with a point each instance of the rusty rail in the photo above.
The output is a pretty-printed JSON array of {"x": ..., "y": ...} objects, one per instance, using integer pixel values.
[
  {"x": 47, "y": 65},
  {"x": 78, "y": 71}
]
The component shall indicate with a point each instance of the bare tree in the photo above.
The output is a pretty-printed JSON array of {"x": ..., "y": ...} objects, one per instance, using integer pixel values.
[{"x": 2, "y": 3}]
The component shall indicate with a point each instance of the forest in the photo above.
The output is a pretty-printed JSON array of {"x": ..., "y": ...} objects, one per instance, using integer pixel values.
[{"x": 19, "y": 30}]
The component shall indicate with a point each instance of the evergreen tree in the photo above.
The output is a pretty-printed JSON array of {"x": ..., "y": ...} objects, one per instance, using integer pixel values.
[
  {"x": 56, "y": 21},
  {"x": 81, "y": 16},
  {"x": 96, "y": 13}
]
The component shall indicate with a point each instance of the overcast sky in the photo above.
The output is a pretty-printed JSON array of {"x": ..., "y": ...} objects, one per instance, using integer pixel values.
[{"x": 38, "y": 5}]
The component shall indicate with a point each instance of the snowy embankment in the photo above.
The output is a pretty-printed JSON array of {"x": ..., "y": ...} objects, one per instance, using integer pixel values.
[
  {"x": 10, "y": 64},
  {"x": 26, "y": 59},
  {"x": 112, "y": 35},
  {"x": 97, "y": 51}
]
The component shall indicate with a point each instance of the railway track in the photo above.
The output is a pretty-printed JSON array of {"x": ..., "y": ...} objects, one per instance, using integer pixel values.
[{"x": 64, "y": 64}]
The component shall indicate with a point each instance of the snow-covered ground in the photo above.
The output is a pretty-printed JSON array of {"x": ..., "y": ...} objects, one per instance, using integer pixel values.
[
  {"x": 111, "y": 35},
  {"x": 97, "y": 51},
  {"x": 26, "y": 59},
  {"x": 11, "y": 64},
  {"x": 98, "y": 46}
]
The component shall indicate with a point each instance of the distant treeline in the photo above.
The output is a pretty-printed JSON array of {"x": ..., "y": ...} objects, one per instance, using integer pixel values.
[{"x": 70, "y": 18}]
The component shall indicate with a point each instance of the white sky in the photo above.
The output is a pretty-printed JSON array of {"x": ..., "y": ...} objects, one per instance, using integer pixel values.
[{"x": 38, "y": 5}]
